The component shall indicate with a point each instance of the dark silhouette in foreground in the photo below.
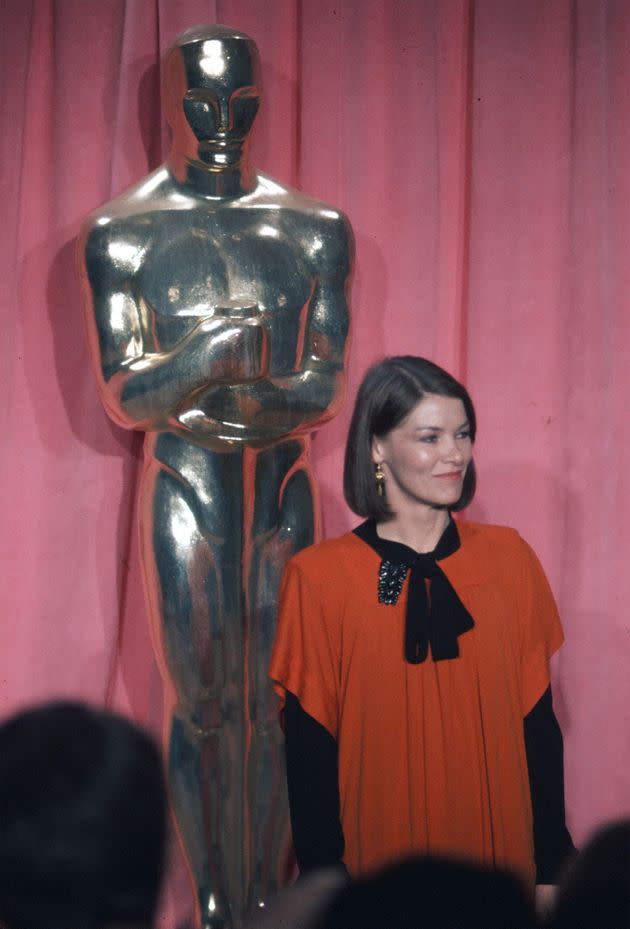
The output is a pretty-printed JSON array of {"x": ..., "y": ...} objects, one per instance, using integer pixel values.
[
  {"x": 595, "y": 890},
  {"x": 83, "y": 821},
  {"x": 431, "y": 893}
]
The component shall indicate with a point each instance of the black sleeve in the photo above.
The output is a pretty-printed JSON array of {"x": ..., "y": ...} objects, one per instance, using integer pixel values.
[
  {"x": 543, "y": 746},
  {"x": 313, "y": 782}
]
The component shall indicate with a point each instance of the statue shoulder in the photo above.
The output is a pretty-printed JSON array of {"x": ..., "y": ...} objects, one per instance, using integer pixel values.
[
  {"x": 152, "y": 192},
  {"x": 324, "y": 231},
  {"x": 124, "y": 224},
  {"x": 271, "y": 191}
]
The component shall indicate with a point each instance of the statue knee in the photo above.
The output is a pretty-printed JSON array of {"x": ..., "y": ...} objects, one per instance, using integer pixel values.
[{"x": 203, "y": 716}]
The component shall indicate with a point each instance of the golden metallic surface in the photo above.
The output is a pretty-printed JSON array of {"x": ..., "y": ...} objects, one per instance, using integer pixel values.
[{"x": 216, "y": 303}]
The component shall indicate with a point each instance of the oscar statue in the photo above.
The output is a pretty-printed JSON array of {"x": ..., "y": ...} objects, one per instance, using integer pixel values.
[{"x": 217, "y": 308}]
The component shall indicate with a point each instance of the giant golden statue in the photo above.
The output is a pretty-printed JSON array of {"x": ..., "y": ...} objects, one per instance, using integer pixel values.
[{"x": 216, "y": 301}]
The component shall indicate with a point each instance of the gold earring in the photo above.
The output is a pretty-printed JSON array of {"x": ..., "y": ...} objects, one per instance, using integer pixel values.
[{"x": 379, "y": 477}]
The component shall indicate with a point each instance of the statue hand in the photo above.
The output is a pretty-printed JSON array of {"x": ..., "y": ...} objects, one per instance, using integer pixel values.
[{"x": 234, "y": 347}]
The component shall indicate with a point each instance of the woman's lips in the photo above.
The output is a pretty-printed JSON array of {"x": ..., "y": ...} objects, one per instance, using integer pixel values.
[{"x": 451, "y": 476}]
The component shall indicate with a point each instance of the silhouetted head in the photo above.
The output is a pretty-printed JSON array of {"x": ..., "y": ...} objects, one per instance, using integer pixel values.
[
  {"x": 432, "y": 893},
  {"x": 82, "y": 820},
  {"x": 595, "y": 890}
]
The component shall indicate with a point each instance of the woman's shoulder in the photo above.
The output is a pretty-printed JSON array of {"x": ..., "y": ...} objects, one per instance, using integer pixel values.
[
  {"x": 486, "y": 532},
  {"x": 489, "y": 537},
  {"x": 497, "y": 554},
  {"x": 329, "y": 553}
]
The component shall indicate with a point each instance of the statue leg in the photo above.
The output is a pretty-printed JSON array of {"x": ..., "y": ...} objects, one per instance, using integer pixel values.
[
  {"x": 282, "y": 519},
  {"x": 192, "y": 541}
]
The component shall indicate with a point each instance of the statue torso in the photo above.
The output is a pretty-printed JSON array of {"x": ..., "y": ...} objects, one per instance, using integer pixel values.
[{"x": 184, "y": 257}]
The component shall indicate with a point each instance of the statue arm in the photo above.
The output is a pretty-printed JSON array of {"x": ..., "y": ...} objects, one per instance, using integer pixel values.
[{"x": 140, "y": 384}]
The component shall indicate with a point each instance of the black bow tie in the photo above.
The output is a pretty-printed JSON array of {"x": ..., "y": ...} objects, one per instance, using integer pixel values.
[{"x": 435, "y": 620}]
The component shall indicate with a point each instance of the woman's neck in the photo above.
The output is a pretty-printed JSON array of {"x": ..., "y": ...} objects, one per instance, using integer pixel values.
[{"x": 421, "y": 530}]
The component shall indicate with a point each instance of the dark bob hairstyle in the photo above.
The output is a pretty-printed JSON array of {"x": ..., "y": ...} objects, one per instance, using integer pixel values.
[{"x": 389, "y": 391}]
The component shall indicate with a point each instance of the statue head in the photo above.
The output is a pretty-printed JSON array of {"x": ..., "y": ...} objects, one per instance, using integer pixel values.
[{"x": 211, "y": 92}]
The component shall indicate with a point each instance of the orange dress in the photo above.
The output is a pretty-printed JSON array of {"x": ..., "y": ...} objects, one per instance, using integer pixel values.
[{"x": 431, "y": 755}]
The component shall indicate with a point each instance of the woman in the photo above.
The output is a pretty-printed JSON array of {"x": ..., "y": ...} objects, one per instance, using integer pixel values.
[{"x": 412, "y": 656}]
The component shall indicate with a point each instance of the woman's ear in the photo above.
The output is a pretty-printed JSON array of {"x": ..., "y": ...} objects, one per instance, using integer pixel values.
[{"x": 377, "y": 450}]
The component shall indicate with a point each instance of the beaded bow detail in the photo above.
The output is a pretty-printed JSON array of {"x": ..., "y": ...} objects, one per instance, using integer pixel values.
[
  {"x": 391, "y": 577},
  {"x": 433, "y": 622}
]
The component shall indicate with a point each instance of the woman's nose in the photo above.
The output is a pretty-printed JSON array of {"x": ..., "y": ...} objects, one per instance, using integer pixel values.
[{"x": 453, "y": 452}]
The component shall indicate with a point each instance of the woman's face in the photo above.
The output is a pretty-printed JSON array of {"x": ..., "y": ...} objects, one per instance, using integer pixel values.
[{"x": 425, "y": 458}]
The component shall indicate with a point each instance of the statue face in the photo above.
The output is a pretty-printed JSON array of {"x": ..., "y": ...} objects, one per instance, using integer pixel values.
[{"x": 219, "y": 92}]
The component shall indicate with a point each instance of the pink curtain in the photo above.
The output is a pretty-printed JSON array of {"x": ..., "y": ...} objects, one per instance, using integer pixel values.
[{"x": 480, "y": 150}]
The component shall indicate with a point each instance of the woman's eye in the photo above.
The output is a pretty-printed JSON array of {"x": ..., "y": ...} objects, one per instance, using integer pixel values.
[
  {"x": 428, "y": 438},
  {"x": 463, "y": 435}
]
